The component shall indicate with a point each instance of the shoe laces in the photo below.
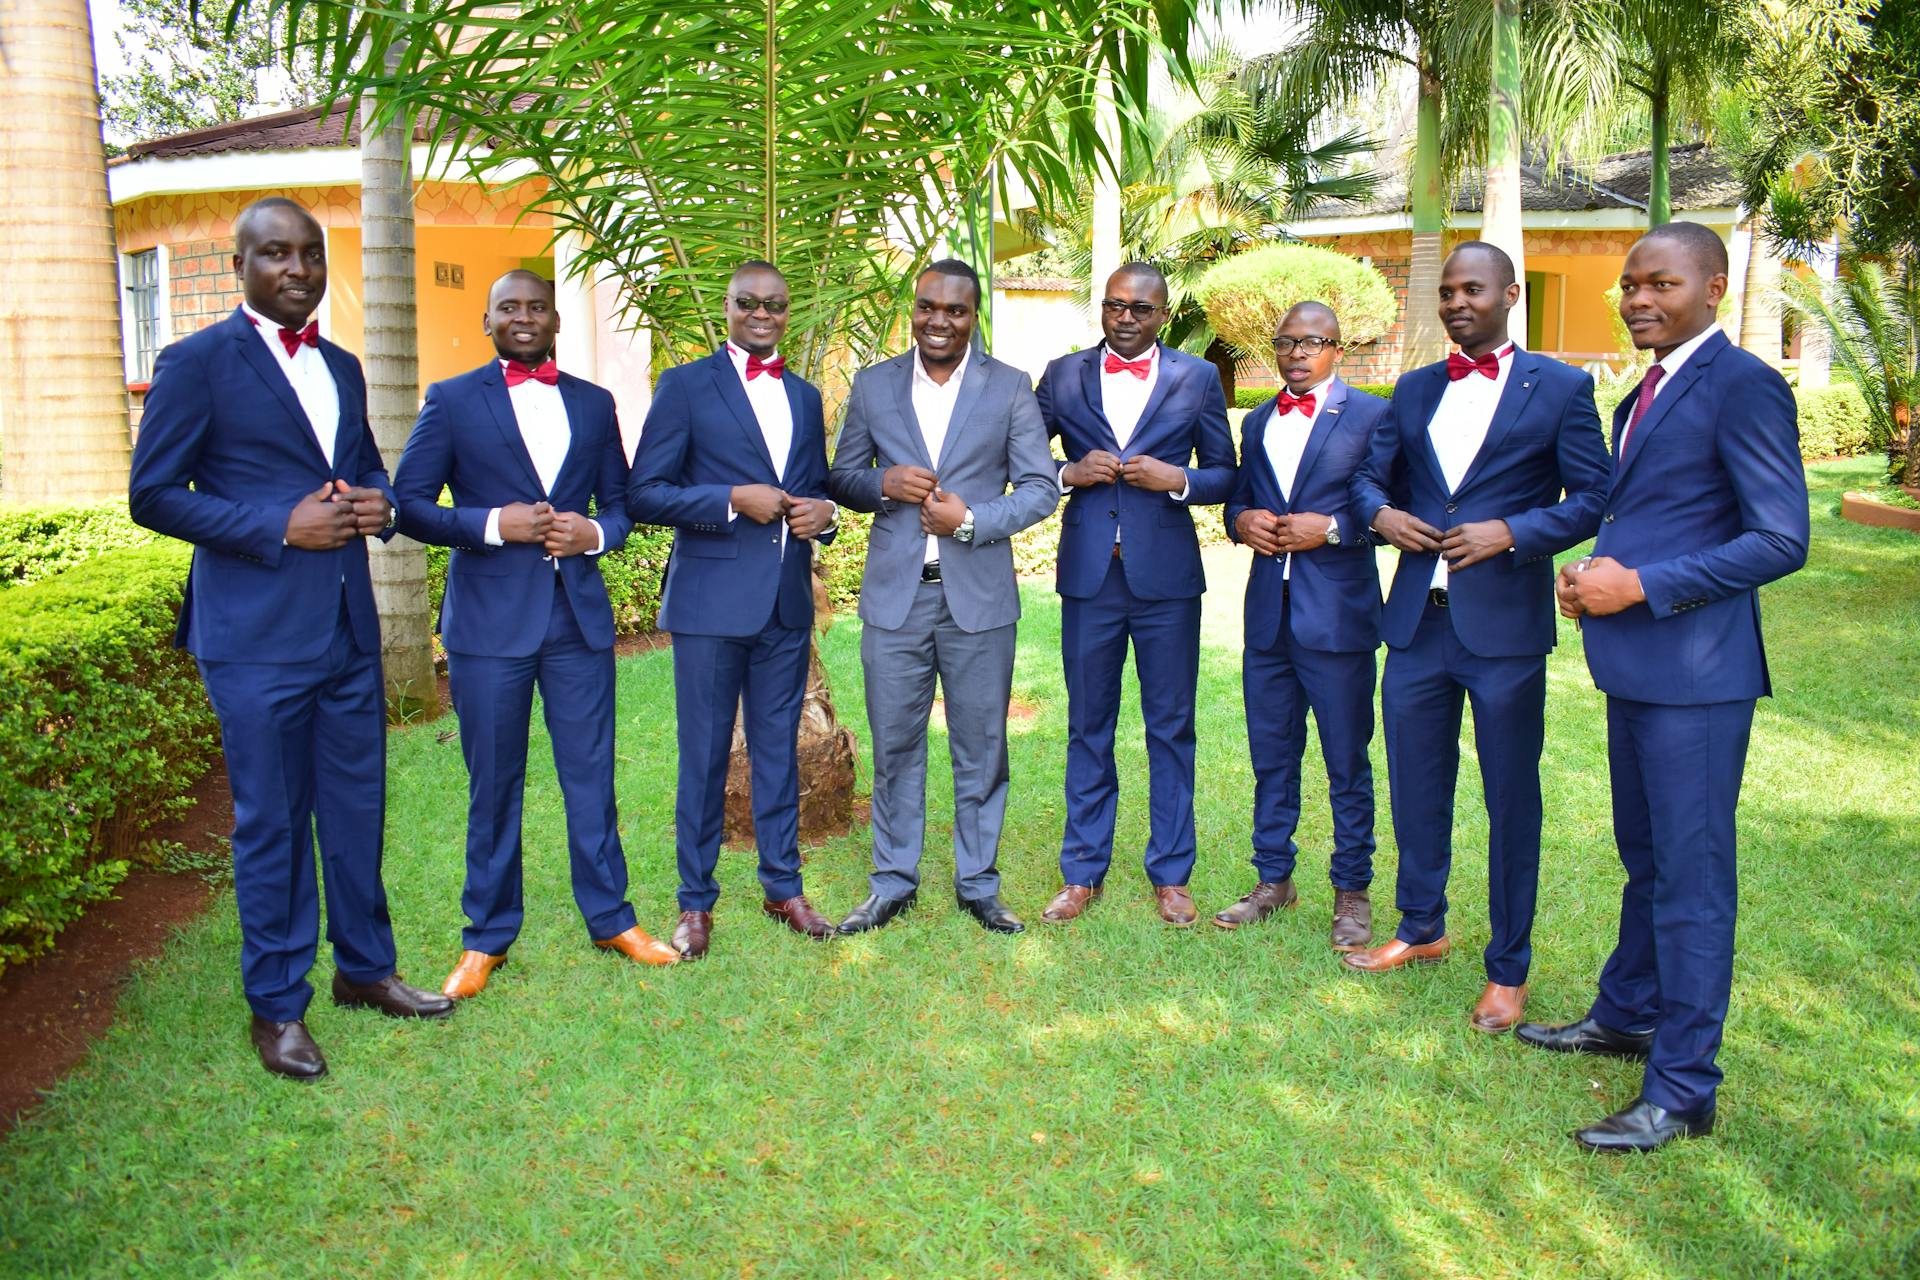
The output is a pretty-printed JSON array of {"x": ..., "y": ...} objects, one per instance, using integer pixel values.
[{"x": 1347, "y": 906}]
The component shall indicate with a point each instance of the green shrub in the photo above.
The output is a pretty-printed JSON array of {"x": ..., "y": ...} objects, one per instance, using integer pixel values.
[
  {"x": 1254, "y": 397},
  {"x": 1833, "y": 421},
  {"x": 37, "y": 542},
  {"x": 103, "y": 729},
  {"x": 1382, "y": 389},
  {"x": 1246, "y": 294}
]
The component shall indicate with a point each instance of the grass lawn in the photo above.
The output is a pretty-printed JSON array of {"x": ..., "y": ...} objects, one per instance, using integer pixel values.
[{"x": 1118, "y": 1099}]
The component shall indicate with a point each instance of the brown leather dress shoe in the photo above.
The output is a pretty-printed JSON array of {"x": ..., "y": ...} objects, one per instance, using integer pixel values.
[
  {"x": 470, "y": 974},
  {"x": 286, "y": 1049},
  {"x": 1070, "y": 902},
  {"x": 691, "y": 934},
  {"x": 639, "y": 946},
  {"x": 1267, "y": 897},
  {"x": 1176, "y": 904},
  {"x": 390, "y": 996},
  {"x": 1352, "y": 920},
  {"x": 1395, "y": 954},
  {"x": 800, "y": 916},
  {"x": 1500, "y": 1008}
]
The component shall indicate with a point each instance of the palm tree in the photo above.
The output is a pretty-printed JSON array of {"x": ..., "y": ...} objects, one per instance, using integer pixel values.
[
  {"x": 1672, "y": 53},
  {"x": 1872, "y": 314},
  {"x": 1500, "y": 206},
  {"x": 63, "y": 388}
]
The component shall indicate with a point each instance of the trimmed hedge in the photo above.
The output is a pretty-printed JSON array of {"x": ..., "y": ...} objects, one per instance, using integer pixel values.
[
  {"x": 104, "y": 727},
  {"x": 38, "y": 542},
  {"x": 1254, "y": 397},
  {"x": 1833, "y": 421}
]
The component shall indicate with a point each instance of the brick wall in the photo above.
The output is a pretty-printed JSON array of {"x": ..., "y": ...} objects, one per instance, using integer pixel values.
[{"x": 201, "y": 286}]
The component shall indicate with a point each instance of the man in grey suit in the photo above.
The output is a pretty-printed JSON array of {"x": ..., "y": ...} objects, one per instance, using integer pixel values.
[{"x": 946, "y": 446}]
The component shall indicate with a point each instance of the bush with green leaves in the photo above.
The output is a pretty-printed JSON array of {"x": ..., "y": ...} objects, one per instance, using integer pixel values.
[
  {"x": 1254, "y": 397},
  {"x": 37, "y": 542},
  {"x": 104, "y": 728},
  {"x": 1833, "y": 421},
  {"x": 1246, "y": 294}
]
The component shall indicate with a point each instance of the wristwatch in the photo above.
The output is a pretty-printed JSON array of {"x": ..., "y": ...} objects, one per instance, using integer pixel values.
[
  {"x": 393, "y": 517},
  {"x": 1333, "y": 531},
  {"x": 965, "y": 532}
]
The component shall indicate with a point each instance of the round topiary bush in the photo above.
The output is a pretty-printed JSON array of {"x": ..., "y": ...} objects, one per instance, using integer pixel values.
[{"x": 1245, "y": 295}]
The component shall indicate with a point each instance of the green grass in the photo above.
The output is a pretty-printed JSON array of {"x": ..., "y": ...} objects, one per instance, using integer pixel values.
[{"x": 1119, "y": 1099}]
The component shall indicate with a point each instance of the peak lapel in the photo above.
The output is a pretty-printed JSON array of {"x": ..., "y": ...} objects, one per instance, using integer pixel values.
[
  {"x": 1172, "y": 370},
  {"x": 1090, "y": 392},
  {"x": 1522, "y": 378},
  {"x": 727, "y": 382},
  {"x": 255, "y": 354},
  {"x": 493, "y": 390},
  {"x": 576, "y": 421}
]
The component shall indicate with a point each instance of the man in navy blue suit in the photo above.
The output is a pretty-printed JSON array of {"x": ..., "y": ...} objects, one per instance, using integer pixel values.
[
  {"x": 524, "y": 448},
  {"x": 254, "y": 446},
  {"x": 734, "y": 456},
  {"x": 1312, "y": 620},
  {"x": 1131, "y": 414},
  {"x": 1487, "y": 464},
  {"x": 1708, "y": 503}
]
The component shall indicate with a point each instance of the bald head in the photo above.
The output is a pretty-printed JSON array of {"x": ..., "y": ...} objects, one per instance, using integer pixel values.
[
  {"x": 517, "y": 279},
  {"x": 1310, "y": 317},
  {"x": 265, "y": 217},
  {"x": 1703, "y": 246},
  {"x": 1498, "y": 263}
]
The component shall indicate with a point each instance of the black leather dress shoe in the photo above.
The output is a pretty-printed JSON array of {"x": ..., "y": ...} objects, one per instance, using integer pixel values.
[
  {"x": 390, "y": 996},
  {"x": 991, "y": 913},
  {"x": 1643, "y": 1127},
  {"x": 875, "y": 912},
  {"x": 1586, "y": 1036},
  {"x": 286, "y": 1049}
]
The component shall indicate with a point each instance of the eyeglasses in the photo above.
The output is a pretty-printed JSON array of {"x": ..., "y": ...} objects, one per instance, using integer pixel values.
[
  {"x": 1140, "y": 310},
  {"x": 1305, "y": 346},
  {"x": 749, "y": 304}
]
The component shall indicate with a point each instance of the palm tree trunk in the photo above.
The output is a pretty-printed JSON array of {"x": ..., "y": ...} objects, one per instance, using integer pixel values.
[
  {"x": 1659, "y": 199},
  {"x": 1501, "y": 222},
  {"x": 63, "y": 384},
  {"x": 1760, "y": 299},
  {"x": 393, "y": 399},
  {"x": 1425, "y": 340}
]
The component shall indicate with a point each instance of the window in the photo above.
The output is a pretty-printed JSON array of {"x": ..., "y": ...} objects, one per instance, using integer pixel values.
[{"x": 143, "y": 313}]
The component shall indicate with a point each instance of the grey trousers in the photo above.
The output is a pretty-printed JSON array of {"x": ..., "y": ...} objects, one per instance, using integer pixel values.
[{"x": 975, "y": 670}]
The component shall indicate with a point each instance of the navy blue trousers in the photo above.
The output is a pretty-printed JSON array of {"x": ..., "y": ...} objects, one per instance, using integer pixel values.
[
  {"x": 1094, "y": 634},
  {"x": 1676, "y": 783},
  {"x": 306, "y": 748},
  {"x": 493, "y": 696},
  {"x": 1278, "y": 687},
  {"x": 1421, "y": 693},
  {"x": 710, "y": 675}
]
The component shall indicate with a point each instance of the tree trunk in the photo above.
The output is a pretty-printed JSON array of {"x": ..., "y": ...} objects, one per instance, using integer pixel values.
[
  {"x": 1760, "y": 299},
  {"x": 1659, "y": 199},
  {"x": 393, "y": 401},
  {"x": 1220, "y": 355},
  {"x": 1106, "y": 206},
  {"x": 63, "y": 381},
  {"x": 1501, "y": 223},
  {"x": 1425, "y": 340}
]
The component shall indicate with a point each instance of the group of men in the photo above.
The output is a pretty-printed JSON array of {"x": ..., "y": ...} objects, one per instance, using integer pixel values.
[{"x": 255, "y": 447}]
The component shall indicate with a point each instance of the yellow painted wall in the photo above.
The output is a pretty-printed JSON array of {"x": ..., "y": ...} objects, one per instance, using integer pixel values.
[
  {"x": 1588, "y": 326},
  {"x": 346, "y": 309},
  {"x": 1031, "y": 328},
  {"x": 450, "y": 338}
]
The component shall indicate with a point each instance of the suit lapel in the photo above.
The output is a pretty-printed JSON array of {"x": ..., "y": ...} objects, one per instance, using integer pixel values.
[
  {"x": 791, "y": 385},
  {"x": 1670, "y": 395},
  {"x": 1428, "y": 386},
  {"x": 1323, "y": 426},
  {"x": 971, "y": 388},
  {"x": 727, "y": 382},
  {"x": 1522, "y": 378},
  {"x": 1170, "y": 373},
  {"x": 348, "y": 427},
  {"x": 576, "y": 420},
  {"x": 903, "y": 396},
  {"x": 1090, "y": 392},
  {"x": 493, "y": 390},
  {"x": 255, "y": 354}
]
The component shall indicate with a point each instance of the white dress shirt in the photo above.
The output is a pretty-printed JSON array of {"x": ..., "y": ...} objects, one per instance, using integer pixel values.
[
  {"x": 771, "y": 409},
  {"x": 312, "y": 381},
  {"x": 541, "y": 413},
  {"x": 1286, "y": 443},
  {"x": 1460, "y": 425},
  {"x": 1670, "y": 365},
  {"x": 1123, "y": 397},
  {"x": 933, "y": 407}
]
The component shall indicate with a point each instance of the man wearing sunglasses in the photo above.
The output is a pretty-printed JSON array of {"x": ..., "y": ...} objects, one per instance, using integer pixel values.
[
  {"x": 734, "y": 456},
  {"x": 1132, "y": 415}
]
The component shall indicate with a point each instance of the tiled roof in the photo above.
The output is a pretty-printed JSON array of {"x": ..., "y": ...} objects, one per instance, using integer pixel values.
[
  {"x": 283, "y": 131},
  {"x": 1036, "y": 284}
]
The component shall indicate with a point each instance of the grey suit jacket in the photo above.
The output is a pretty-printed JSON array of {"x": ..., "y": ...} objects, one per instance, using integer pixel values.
[{"x": 995, "y": 458}]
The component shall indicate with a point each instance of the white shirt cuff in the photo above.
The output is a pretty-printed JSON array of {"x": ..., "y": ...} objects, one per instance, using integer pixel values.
[
  {"x": 493, "y": 529},
  {"x": 599, "y": 538},
  {"x": 1185, "y": 489}
]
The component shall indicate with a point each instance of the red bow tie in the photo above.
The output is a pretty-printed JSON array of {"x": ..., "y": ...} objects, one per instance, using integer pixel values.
[
  {"x": 1459, "y": 366},
  {"x": 1138, "y": 368},
  {"x": 294, "y": 339},
  {"x": 548, "y": 374},
  {"x": 1286, "y": 402},
  {"x": 776, "y": 367}
]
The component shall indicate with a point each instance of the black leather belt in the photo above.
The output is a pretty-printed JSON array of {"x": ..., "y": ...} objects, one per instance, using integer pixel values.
[
  {"x": 1437, "y": 597},
  {"x": 930, "y": 571}
]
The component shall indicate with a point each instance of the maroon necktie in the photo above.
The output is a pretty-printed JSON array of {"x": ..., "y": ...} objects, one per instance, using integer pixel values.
[
  {"x": 1459, "y": 365},
  {"x": 1642, "y": 404},
  {"x": 1138, "y": 368},
  {"x": 776, "y": 367},
  {"x": 548, "y": 374},
  {"x": 1287, "y": 402}
]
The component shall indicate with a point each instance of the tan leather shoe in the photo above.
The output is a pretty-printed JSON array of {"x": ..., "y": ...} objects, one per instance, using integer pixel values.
[
  {"x": 691, "y": 934},
  {"x": 1352, "y": 920},
  {"x": 1500, "y": 1008},
  {"x": 1176, "y": 904},
  {"x": 1070, "y": 902},
  {"x": 639, "y": 946},
  {"x": 469, "y": 976},
  {"x": 1267, "y": 897},
  {"x": 1396, "y": 954}
]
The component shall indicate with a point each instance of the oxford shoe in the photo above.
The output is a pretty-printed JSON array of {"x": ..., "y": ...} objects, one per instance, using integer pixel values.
[
  {"x": 1499, "y": 1009},
  {"x": 991, "y": 913},
  {"x": 799, "y": 915},
  {"x": 470, "y": 974},
  {"x": 1395, "y": 954},
  {"x": 1176, "y": 904},
  {"x": 1070, "y": 903},
  {"x": 1643, "y": 1127},
  {"x": 692, "y": 933},
  {"x": 1352, "y": 920},
  {"x": 1586, "y": 1036},
  {"x": 876, "y": 913},
  {"x": 1267, "y": 897},
  {"x": 639, "y": 946},
  {"x": 390, "y": 996},
  {"x": 286, "y": 1049}
]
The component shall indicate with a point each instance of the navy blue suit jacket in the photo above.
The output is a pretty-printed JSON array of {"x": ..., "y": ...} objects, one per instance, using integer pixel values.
[
  {"x": 1335, "y": 590},
  {"x": 1186, "y": 415},
  {"x": 725, "y": 577},
  {"x": 221, "y": 417},
  {"x": 1709, "y": 503},
  {"x": 498, "y": 598},
  {"x": 1543, "y": 469}
]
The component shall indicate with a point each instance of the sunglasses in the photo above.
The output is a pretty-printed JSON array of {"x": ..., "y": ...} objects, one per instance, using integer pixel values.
[
  {"x": 1140, "y": 310},
  {"x": 749, "y": 304}
]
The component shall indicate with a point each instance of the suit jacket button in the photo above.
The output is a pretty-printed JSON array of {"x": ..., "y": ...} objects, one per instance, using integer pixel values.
[
  {"x": 1113, "y": 515},
  {"x": 1609, "y": 517},
  {"x": 1452, "y": 507}
]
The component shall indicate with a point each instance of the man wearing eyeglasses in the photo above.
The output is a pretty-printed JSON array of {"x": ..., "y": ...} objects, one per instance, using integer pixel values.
[
  {"x": 1132, "y": 415},
  {"x": 733, "y": 455},
  {"x": 1312, "y": 620}
]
